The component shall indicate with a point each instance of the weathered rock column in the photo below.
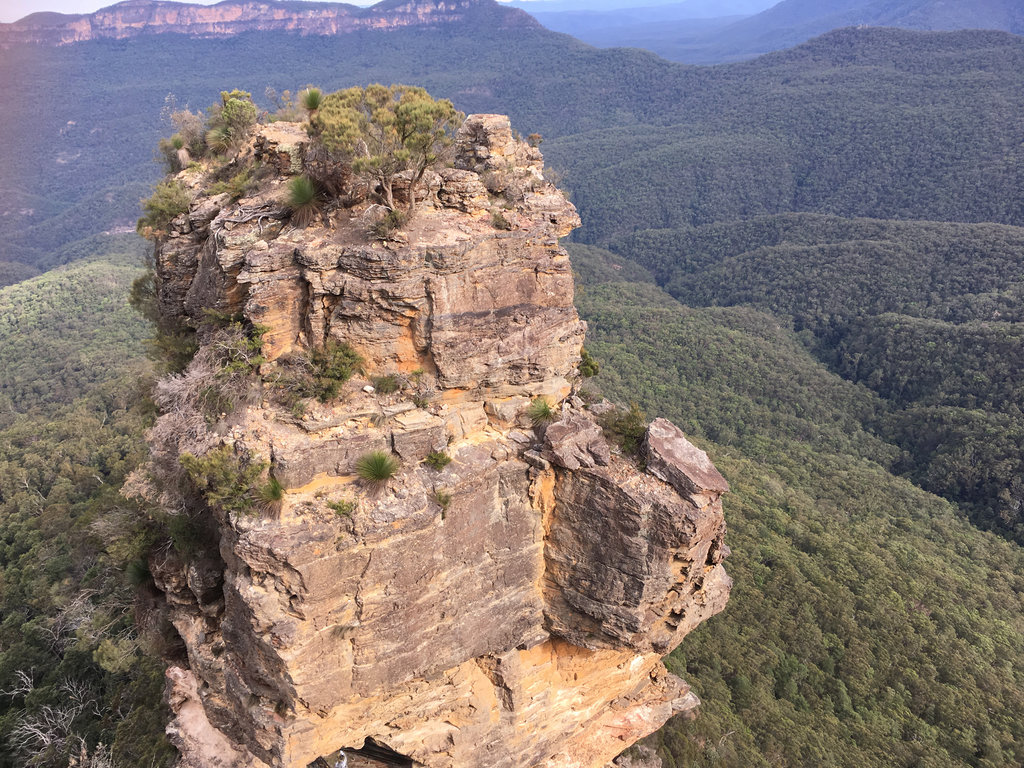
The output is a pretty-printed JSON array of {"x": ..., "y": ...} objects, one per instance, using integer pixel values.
[{"x": 509, "y": 608}]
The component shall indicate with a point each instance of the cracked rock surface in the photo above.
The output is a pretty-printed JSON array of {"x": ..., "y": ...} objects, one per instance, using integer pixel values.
[{"x": 509, "y": 608}]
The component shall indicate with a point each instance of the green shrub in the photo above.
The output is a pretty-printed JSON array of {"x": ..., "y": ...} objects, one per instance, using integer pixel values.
[
  {"x": 304, "y": 200},
  {"x": 331, "y": 367},
  {"x": 298, "y": 407},
  {"x": 344, "y": 508},
  {"x": 386, "y": 131},
  {"x": 236, "y": 186},
  {"x": 376, "y": 468},
  {"x": 384, "y": 228},
  {"x": 241, "y": 348},
  {"x": 170, "y": 199},
  {"x": 540, "y": 412},
  {"x": 626, "y": 428},
  {"x": 387, "y": 385},
  {"x": 227, "y": 482},
  {"x": 232, "y": 120},
  {"x": 588, "y": 366},
  {"x": 437, "y": 459},
  {"x": 187, "y": 535}
]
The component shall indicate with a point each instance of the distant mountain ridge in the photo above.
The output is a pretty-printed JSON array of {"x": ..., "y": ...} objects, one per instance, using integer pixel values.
[
  {"x": 707, "y": 32},
  {"x": 133, "y": 18},
  {"x": 792, "y": 22}
]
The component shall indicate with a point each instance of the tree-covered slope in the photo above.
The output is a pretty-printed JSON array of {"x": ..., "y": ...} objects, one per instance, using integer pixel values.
[
  {"x": 64, "y": 331},
  {"x": 881, "y": 123},
  {"x": 926, "y": 314},
  {"x": 74, "y": 671},
  {"x": 869, "y": 623},
  {"x": 791, "y": 22}
]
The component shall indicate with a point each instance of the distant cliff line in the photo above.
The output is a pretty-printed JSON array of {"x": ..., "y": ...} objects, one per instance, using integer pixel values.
[{"x": 134, "y": 18}]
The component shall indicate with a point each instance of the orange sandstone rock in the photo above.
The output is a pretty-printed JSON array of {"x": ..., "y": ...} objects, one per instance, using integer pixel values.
[{"x": 508, "y": 609}]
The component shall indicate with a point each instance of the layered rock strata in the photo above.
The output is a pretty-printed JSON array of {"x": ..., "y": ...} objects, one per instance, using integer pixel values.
[
  {"x": 133, "y": 18},
  {"x": 507, "y": 609}
]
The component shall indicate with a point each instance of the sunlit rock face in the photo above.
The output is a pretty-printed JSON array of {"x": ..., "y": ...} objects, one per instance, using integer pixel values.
[
  {"x": 153, "y": 17},
  {"x": 507, "y": 609}
]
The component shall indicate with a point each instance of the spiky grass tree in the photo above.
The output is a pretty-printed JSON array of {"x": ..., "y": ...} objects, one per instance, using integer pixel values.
[
  {"x": 540, "y": 412},
  {"x": 311, "y": 99},
  {"x": 376, "y": 468},
  {"x": 304, "y": 200},
  {"x": 218, "y": 140}
]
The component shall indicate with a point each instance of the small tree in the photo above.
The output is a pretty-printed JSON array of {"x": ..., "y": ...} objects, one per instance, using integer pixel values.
[
  {"x": 385, "y": 131},
  {"x": 231, "y": 121},
  {"x": 170, "y": 199},
  {"x": 311, "y": 98}
]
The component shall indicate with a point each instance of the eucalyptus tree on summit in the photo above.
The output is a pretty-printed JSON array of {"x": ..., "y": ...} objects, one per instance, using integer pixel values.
[{"x": 385, "y": 131}]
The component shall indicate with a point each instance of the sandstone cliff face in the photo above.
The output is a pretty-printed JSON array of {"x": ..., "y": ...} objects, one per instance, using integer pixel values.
[
  {"x": 138, "y": 17},
  {"x": 509, "y": 609}
]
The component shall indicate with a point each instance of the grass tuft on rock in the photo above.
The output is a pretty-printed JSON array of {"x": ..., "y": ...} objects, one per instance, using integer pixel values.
[
  {"x": 438, "y": 460},
  {"x": 376, "y": 468},
  {"x": 540, "y": 412},
  {"x": 304, "y": 201}
]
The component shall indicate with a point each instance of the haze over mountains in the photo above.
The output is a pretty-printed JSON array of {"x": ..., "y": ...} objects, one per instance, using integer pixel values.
[
  {"x": 693, "y": 31},
  {"x": 812, "y": 261},
  {"x": 707, "y": 33},
  {"x": 148, "y": 17}
]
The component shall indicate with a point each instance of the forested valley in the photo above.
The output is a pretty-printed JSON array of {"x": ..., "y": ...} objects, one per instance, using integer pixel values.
[{"x": 811, "y": 262}]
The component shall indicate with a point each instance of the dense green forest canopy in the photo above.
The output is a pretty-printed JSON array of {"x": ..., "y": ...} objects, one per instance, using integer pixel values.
[
  {"x": 926, "y": 314},
  {"x": 74, "y": 670},
  {"x": 873, "y": 122},
  {"x": 815, "y": 268},
  {"x": 869, "y": 623}
]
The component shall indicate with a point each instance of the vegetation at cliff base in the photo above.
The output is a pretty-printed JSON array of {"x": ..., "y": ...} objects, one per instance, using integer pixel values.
[
  {"x": 870, "y": 623},
  {"x": 74, "y": 671}
]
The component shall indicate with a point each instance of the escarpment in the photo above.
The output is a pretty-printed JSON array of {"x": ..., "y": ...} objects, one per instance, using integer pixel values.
[
  {"x": 499, "y": 591},
  {"x": 134, "y": 18}
]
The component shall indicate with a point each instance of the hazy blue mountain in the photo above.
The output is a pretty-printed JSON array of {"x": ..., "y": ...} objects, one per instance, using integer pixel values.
[
  {"x": 667, "y": 8},
  {"x": 704, "y": 32},
  {"x": 793, "y": 21},
  {"x": 665, "y": 29}
]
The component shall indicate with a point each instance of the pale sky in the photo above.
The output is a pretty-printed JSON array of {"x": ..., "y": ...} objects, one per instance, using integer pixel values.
[{"x": 12, "y": 10}]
